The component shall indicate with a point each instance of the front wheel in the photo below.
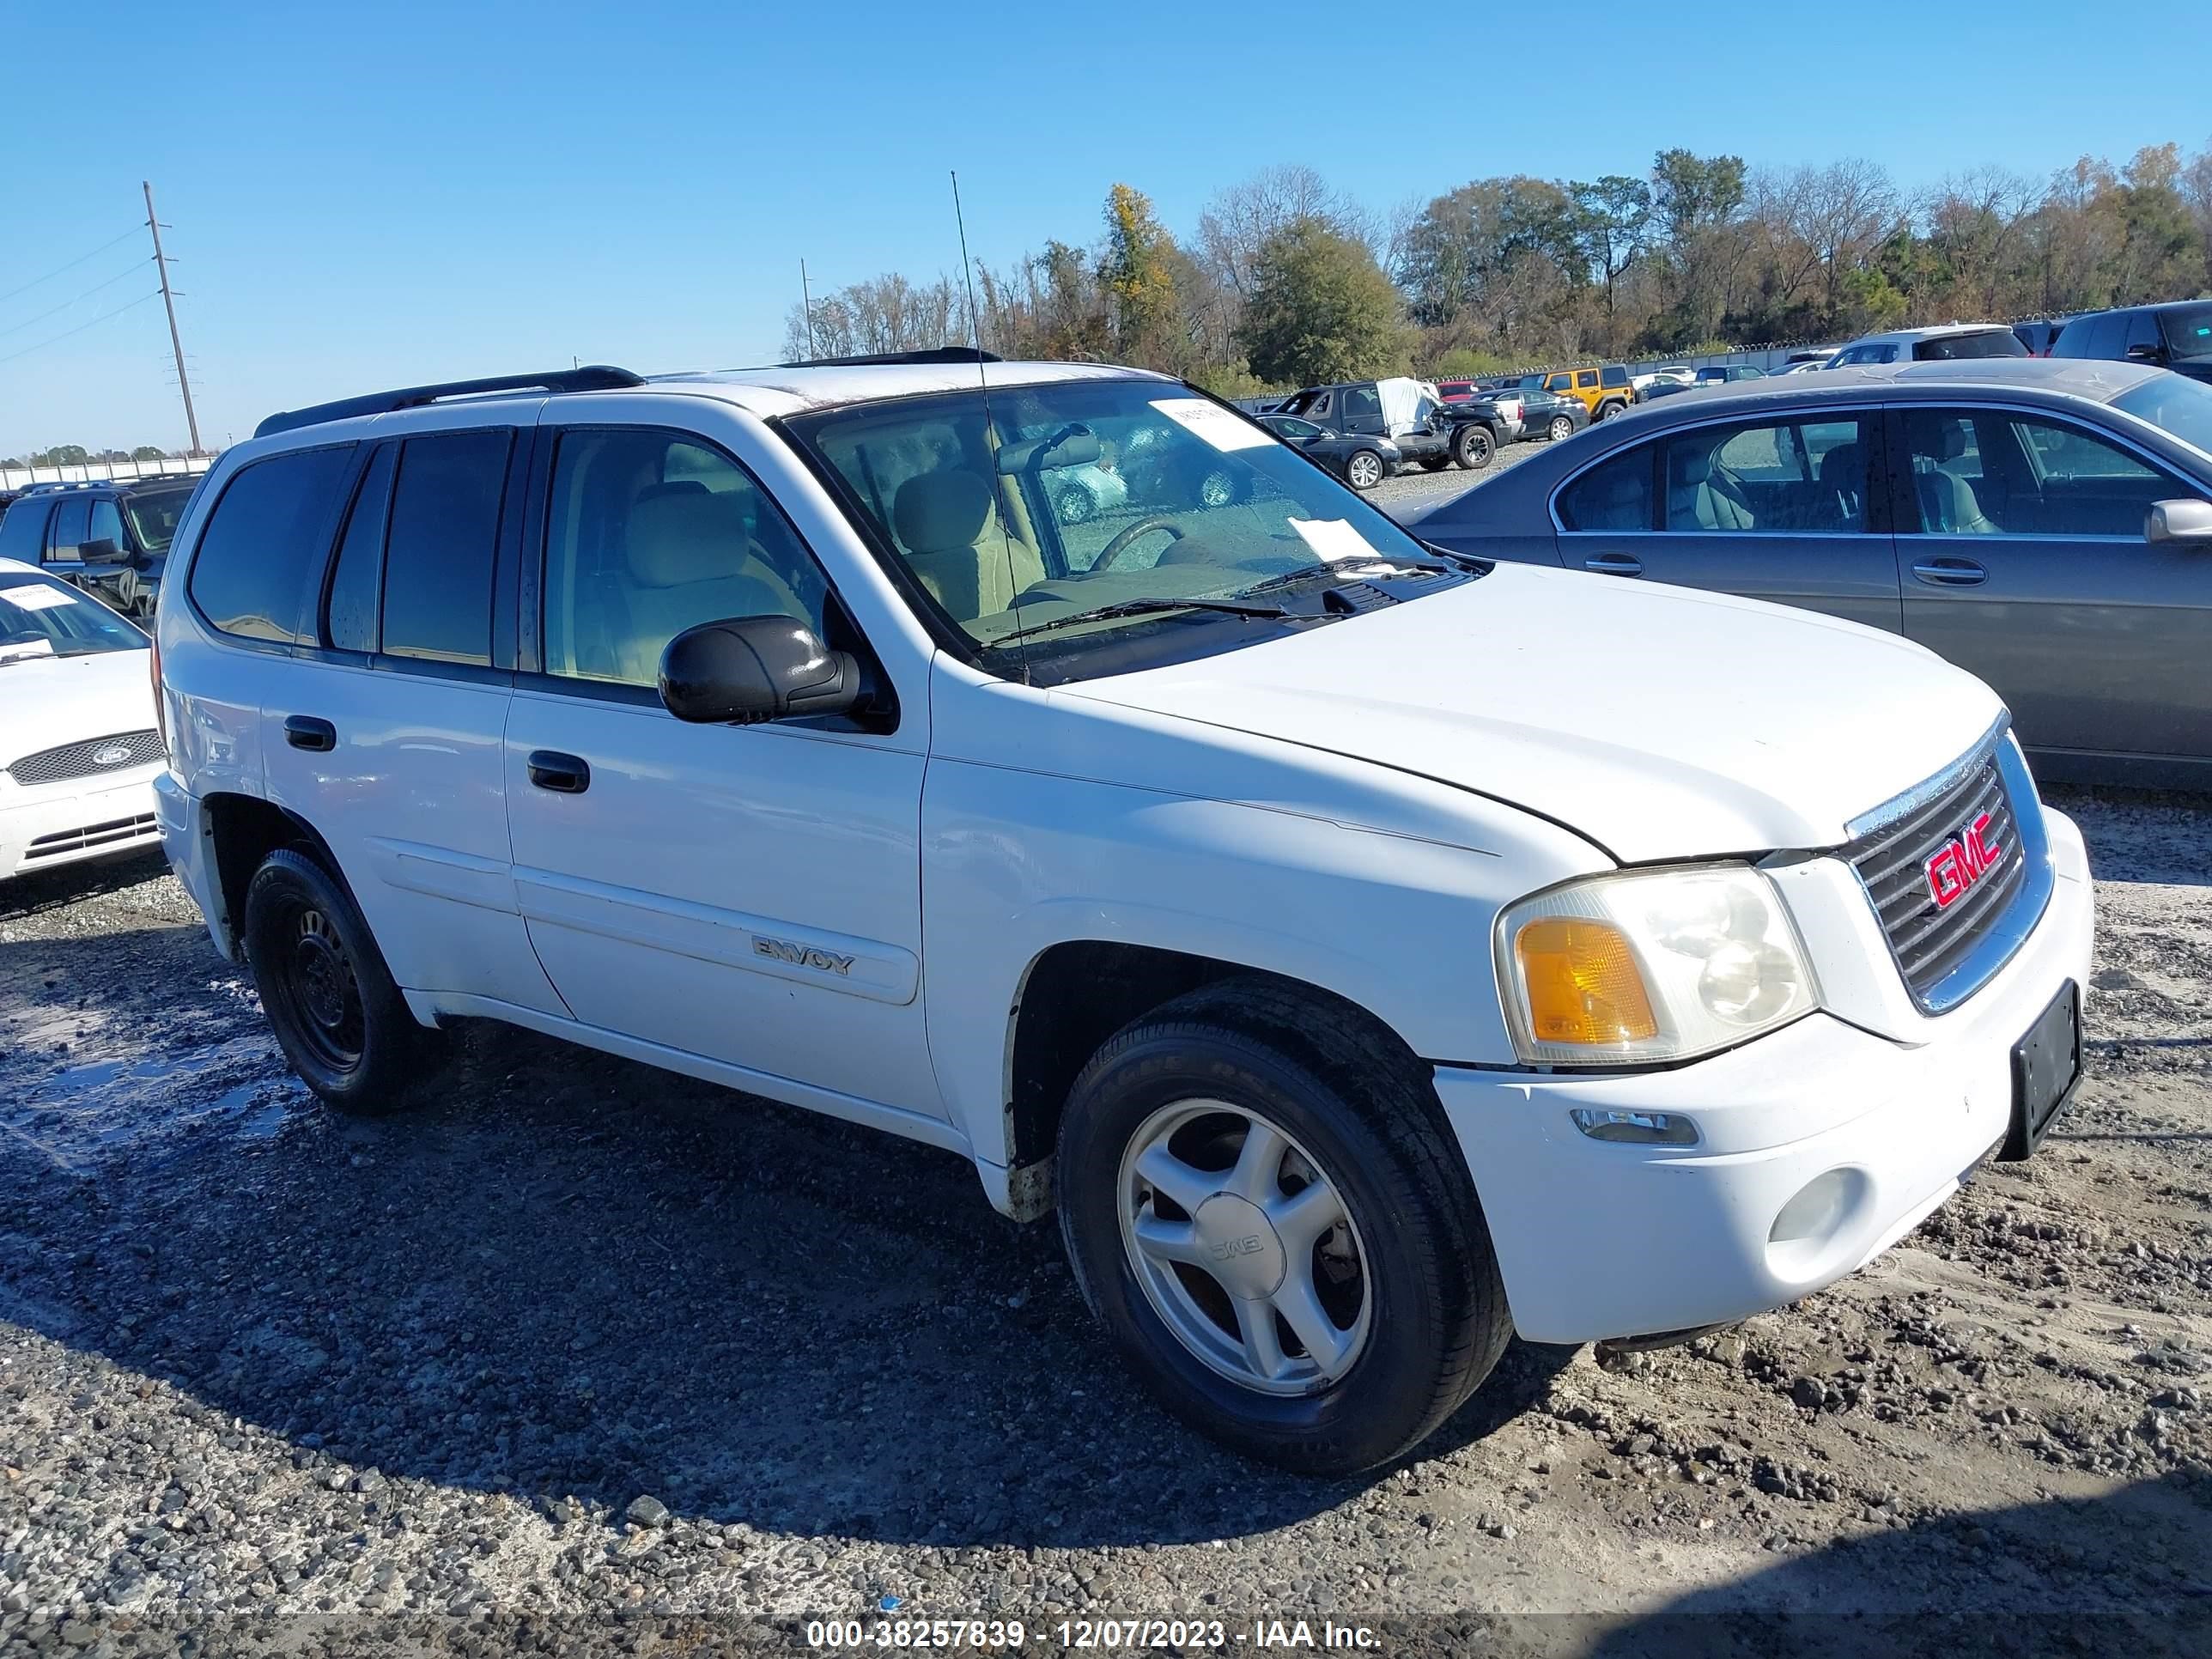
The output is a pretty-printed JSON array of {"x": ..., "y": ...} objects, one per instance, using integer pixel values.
[
  {"x": 1364, "y": 470},
  {"x": 1076, "y": 505},
  {"x": 336, "y": 1013},
  {"x": 1472, "y": 447},
  {"x": 1435, "y": 463},
  {"x": 1278, "y": 1232}
]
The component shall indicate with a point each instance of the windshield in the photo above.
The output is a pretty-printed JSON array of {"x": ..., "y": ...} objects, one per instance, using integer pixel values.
[
  {"x": 41, "y": 617},
  {"x": 2174, "y": 403},
  {"x": 2188, "y": 332},
  {"x": 154, "y": 515},
  {"x": 1075, "y": 495}
]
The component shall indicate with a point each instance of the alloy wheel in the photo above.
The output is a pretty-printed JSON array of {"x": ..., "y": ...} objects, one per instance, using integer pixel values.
[
  {"x": 1244, "y": 1247},
  {"x": 1365, "y": 471},
  {"x": 1562, "y": 428}
]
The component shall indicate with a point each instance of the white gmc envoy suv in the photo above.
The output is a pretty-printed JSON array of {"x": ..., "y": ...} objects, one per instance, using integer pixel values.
[{"x": 1370, "y": 951}]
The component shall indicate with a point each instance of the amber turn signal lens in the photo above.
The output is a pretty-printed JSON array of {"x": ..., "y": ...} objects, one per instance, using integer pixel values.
[{"x": 1582, "y": 983}]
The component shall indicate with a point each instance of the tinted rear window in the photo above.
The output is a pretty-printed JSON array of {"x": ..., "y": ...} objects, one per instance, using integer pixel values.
[
  {"x": 23, "y": 531},
  {"x": 272, "y": 524},
  {"x": 438, "y": 559},
  {"x": 1950, "y": 348}
]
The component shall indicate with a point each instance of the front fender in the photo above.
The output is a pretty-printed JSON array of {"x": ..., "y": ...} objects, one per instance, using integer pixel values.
[{"x": 1017, "y": 861}]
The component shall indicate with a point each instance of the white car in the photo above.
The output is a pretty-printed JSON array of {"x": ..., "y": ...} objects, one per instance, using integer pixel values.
[
  {"x": 1369, "y": 952},
  {"x": 1677, "y": 373},
  {"x": 78, "y": 747},
  {"x": 1945, "y": 342}
]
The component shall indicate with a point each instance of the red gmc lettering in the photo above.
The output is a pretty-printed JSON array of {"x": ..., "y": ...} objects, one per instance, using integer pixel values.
[{"x": 1962, "y": 862}]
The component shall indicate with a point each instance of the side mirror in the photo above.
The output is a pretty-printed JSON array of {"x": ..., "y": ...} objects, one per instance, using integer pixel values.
[
  {"x": 750, "y": 669},
  {"x": 2143, "y": 351},
  {"x": 101, "y": 551},
  {"x": 2185, "y": 520}
]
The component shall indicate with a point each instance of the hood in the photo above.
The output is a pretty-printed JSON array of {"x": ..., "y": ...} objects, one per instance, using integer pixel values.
[
  {"x": 1659, "y": 722},
  {"x": 46, "y": 702}
]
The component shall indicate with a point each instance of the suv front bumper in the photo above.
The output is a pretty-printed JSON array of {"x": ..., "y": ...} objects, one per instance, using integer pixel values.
[{"x": 1598, "y": 1239}]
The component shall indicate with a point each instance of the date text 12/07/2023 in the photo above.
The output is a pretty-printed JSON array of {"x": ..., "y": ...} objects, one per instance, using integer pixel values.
[{"x": 1081, "y": 1635}]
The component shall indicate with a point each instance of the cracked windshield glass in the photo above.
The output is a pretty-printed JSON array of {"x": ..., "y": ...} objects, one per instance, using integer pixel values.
[{"x": 1031, "y": 507}]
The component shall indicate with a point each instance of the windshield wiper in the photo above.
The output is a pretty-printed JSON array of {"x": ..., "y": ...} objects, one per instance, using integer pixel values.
[
  {"x": 1331, "y": 567},
  {"x": 1140, "y": 608}
]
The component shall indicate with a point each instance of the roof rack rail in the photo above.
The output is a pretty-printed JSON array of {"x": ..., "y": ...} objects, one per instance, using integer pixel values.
[
  {"x": 875, "y": 359},
  {"x": 594, "y": 377}
]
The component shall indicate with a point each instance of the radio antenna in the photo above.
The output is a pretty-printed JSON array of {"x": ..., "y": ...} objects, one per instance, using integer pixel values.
[{"x": 983, "y": 383}]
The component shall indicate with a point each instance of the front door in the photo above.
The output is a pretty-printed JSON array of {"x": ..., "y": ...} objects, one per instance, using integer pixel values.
[
  {"x": 2022, "y": 539},
  {"x": 1779, "y": 508},
  {"x": 751, "y": 895}
]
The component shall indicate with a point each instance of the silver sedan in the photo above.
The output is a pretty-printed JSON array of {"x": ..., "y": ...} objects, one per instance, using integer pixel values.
[{"x": 2046, "y": 524}]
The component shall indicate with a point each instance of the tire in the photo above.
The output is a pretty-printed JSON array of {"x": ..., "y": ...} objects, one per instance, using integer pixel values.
[
  {"x": 1607, "y": 410},
  {"x": 1364, "y": 469},
  {"x": 1472, "y": 447},
  {"x": 339, "y": 1018},
  {"x": 1405, "y": 1275},
  {"x": 1076, "y": 505},
  {"x": 1435, "y": 463},
  {"x": 1218, "y": 488},
  {"x": 1561, "y": 426}
]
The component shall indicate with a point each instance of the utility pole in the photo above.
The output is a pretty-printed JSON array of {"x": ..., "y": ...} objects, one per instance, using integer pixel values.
[
  {"x": 169, "y": 304},
  {"x": 807, "y": 305}
]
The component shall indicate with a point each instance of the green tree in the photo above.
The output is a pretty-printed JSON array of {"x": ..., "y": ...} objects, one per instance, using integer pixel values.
[
  {"x": 1136, "y": 269},
  {"x": 62, "y": 455},
  {"x": 1614, "y": 217},
  {"x": 149, "y": 452},
  {"x": 1320, "y": 309}
]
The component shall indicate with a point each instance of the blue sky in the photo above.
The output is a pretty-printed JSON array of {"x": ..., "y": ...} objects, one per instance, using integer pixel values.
[{"x": 370, "y": 195}]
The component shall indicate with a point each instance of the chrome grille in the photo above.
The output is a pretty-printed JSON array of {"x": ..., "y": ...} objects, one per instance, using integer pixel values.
[
  {"x": 1938, "y": 947},
  {"x": 75, "y": 760}
]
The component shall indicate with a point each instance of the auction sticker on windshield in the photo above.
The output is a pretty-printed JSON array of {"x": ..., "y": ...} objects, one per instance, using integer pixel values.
[
  {"x": 1331, "y": 539},
  {"x": 1223, "y": 429},
  {"x": 28, "y": 597}
]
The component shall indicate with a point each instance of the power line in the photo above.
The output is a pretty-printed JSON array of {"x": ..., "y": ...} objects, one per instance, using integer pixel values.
[
  {"x": 57, "y": 339},
  {"x": 71, "y": 265},
  {"x": 17, "y": 328}
]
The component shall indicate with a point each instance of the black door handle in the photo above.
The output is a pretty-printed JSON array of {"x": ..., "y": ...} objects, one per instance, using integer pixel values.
[
  {"x": 306, "y": 732},
  {"x": 564, "y": 774}
]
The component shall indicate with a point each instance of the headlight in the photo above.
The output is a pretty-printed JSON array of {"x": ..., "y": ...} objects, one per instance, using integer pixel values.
[{"x": 1650, "y": 966}]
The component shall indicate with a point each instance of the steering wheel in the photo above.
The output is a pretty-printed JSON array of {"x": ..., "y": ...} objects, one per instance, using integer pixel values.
[{"x": 1115, "y": 549}]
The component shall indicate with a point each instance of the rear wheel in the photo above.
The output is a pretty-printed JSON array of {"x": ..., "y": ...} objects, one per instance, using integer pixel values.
[
  {"x": 1076, "y": 505},
  {"x": 1607, "y": 410},
  {"x": 1472, "y": 447},
  {"x": 1278, "y": 1232},
  {"x": 1561, "y": 426},
  {"x": 1435, "y": 463},
  {"x": 336, "y": 1011},
  {"x": 1363, "y": 470}
]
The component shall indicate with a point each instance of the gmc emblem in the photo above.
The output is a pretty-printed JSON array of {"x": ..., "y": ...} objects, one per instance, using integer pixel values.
[{"x": 1963, "y": 860}]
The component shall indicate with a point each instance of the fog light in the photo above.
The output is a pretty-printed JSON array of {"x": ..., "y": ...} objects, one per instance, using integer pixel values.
[
  {"x": 1819, "y": 1208},
  {"x": 1638, "y": 1128}
]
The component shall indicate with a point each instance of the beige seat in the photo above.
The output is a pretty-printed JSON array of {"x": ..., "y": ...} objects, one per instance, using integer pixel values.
[
  {"x": 690, "y": 560},
  {"x": 950, "y": 531}
]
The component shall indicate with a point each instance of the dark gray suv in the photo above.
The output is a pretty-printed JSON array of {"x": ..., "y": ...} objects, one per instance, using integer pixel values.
[
  {"x": 2045, "y": 525},
  {"x": 2178, "y": 337}
]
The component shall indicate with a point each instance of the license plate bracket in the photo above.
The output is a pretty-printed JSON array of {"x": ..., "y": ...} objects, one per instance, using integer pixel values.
[{"x": 2047, "y": 1069}]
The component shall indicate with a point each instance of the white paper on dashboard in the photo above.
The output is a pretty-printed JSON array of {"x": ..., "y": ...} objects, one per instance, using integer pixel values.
[
  {"x": 28, "y": 597},
  {"x": 1223, "y": 429},
  {"x": 1331, "y": 539}
]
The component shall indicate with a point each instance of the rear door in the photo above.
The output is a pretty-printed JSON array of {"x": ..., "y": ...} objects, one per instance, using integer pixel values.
[
  {"x": 1358, "y": 410},
  {"x": 384, "y": 729},
  {"x": 2021, "y": 534},
  {"x": 66, "y": 533},
  {"x": 1781, "y": 508}
]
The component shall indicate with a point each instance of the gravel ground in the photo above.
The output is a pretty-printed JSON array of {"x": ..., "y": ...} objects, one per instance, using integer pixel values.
[{"x": 588, "y": 1356}]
